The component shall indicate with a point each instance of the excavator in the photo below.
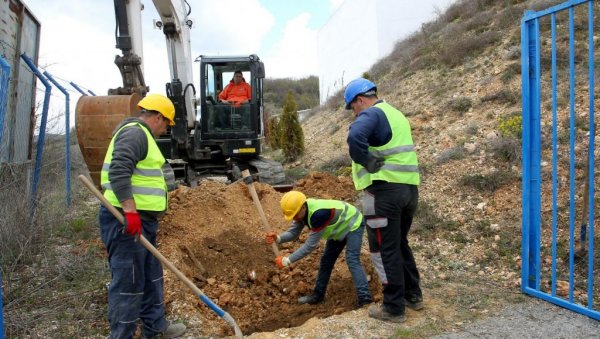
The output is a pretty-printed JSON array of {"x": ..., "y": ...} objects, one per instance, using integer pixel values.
[{"x": 209, "y": 138}]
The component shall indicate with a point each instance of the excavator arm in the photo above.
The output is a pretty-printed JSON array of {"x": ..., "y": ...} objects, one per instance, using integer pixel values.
[{"x": 96, "y": 116}]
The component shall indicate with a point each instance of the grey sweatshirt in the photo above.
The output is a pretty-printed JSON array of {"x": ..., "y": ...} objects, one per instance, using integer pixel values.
[{"x": 130, "y": 147}]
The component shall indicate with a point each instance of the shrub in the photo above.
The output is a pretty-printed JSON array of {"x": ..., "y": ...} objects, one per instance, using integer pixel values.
[
  {"x": 460, "y": 104},
  {"x": 507, "y": 149},
  {"x": 487, "y": 182},
  {"x": 338, "y": 165},
  {"x": 510, "y": 72},
  {"x": 454, "y": 52},
  {"x": 502, "y": 96},
  {"x": 454, "y": 153},
  {"x": 511, "y": 126}
]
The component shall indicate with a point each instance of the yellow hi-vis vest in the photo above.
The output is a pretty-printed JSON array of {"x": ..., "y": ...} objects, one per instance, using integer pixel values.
[
  {"x": 346, "y": 218},
  {"x": 400, "y": 159},
  {"x": 147, "y": 182}
]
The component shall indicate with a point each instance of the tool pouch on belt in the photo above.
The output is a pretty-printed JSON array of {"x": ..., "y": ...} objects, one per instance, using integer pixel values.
[{"x": 373, "y": 221}]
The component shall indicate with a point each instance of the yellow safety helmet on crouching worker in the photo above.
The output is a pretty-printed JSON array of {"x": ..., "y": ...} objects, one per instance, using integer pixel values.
[
  {"x": 161, "y": 104},
  {"x": 291, "y": 203}
]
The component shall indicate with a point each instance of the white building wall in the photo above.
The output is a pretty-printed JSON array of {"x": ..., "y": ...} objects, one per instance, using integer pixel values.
[{"x": 361, "y": 32}]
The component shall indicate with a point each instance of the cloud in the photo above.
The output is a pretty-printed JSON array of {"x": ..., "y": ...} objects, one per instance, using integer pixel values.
[
  {"x": 335, "y": 4},
  {"x": 229, "y": 26},
  {"x": 294, "y": 56}
]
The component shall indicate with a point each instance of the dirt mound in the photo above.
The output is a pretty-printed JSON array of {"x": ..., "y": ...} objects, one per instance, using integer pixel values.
[{"x": 216, "y": 227}]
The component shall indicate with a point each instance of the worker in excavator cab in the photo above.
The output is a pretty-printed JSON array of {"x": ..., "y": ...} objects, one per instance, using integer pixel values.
[
  {"x": 133, "y": 182},
  {"x": 341, "y": 224},
  {"x": 237, "y": 92}
]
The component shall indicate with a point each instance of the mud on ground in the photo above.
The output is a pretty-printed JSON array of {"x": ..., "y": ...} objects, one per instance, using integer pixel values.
[{"x": 216, "y": 227}]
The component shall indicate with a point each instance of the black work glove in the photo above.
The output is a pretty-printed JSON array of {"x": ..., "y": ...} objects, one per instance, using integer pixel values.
[{"x": 374, "y": 164}]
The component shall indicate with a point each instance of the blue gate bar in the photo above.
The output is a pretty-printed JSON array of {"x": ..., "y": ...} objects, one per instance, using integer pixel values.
[
  {"x": 563, "y": 303},
  {"x": 67, "y": 138},
  {"x": 530, "y": 15},
  {"x": 531, "y": 146},
  {"x": 572, "y": 152},
  {"x": 92, "y": 93},
  {"x": 554, "y": 155},
  {"x": 44, "y": 119},
  {"x": 591, "y": 157}
]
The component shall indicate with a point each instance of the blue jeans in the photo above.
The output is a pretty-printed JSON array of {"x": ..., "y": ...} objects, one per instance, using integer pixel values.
[
  {"x": 333, "y": 248},
  {"x": 136, "y": 286}
]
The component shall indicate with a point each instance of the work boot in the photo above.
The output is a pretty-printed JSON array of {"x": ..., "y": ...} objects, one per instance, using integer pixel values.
[
  {"x": 414, "y": 302},
  {"x": 172, "y": 331},
  {"x": 312, "y": 299},
  {"x": 379, "y": 312}
]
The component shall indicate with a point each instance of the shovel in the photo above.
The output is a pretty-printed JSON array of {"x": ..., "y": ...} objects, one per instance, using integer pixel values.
[
  {"x": 250, "y": 183},
  {"x": 228, "y": 318}
]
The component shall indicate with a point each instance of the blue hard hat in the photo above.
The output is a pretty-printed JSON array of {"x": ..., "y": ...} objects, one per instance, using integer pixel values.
[{"x": 357, "y": 87}]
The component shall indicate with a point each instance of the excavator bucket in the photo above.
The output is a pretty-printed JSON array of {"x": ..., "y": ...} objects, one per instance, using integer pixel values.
[{"x": 95, "y": 119}]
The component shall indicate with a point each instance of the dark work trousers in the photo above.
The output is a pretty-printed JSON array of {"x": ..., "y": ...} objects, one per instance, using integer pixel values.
[
  {"x": 136, "y": 286},
  {"x": 389, "y": 210}
]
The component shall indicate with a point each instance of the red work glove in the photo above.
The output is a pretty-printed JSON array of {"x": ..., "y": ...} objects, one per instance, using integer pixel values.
[
  {"x": 282, "y": 262},
  {"x": 133, "y": 223},
  {"x": 270, "y": 237}
]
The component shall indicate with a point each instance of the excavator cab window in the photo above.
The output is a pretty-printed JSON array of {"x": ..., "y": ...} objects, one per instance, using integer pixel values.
[{"x": 225, "y": 117}]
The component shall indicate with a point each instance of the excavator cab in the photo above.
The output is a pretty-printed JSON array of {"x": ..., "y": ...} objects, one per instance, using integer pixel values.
[{"x": 231, "y": 122}]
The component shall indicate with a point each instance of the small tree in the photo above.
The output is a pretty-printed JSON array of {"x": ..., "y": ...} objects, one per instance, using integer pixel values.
[{"x": 291, "y": 135}]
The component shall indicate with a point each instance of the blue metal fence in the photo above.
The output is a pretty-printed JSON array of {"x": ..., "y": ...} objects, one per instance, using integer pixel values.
[{"x": 559, "y": 156}]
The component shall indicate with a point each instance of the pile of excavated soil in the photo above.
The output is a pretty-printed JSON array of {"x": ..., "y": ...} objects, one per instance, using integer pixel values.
[{"x": 214, "y": 235}]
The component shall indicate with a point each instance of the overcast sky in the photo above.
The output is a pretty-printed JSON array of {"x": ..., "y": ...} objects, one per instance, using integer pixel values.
[{"x": 78, "y": 44}]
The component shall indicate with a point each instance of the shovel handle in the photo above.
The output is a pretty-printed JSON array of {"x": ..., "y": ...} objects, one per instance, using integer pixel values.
[
  {"x": 248, "y": 180},
  {"x": 162, "y": 259}
]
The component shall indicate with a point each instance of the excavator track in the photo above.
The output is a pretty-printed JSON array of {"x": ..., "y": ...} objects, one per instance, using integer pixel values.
[{"x": 269, "y": 171}]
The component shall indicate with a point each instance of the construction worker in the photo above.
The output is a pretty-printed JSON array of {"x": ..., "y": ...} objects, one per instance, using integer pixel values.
[
  {"x": 338, "y": 222},
  {"x": 133, "y": 182},
  {"x": 384, "y": 164},
  {"x": 238, "y": 91}
]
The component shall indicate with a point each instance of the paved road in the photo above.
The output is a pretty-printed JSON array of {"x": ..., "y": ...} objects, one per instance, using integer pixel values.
[{"x": 532, "y": 319}]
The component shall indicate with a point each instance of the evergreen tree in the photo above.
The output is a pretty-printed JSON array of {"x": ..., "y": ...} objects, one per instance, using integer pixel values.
[{"x": 291, "y": 135}]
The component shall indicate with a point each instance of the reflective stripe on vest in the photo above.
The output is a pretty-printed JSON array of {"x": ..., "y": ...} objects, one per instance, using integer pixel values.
[
  {"x": 346, "y": 218},
  {"x": 147, "y": 182},
  {"x": 400, "y": 159}
]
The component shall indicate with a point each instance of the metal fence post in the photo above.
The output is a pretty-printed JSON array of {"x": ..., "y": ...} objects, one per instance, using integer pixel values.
[
  {"x": 67, "y": 138},
  {"x": 42, "y": 135},
  {"x": 4, "y": 78}
]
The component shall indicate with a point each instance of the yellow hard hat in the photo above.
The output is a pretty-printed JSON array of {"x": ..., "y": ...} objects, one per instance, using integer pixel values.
[
  {"x": 160, "y": 104},
  {"x": 291, "y": 203}
]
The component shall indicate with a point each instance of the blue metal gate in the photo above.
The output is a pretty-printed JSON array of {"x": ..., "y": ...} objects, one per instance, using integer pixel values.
[{"x": 558, "y": 79}]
